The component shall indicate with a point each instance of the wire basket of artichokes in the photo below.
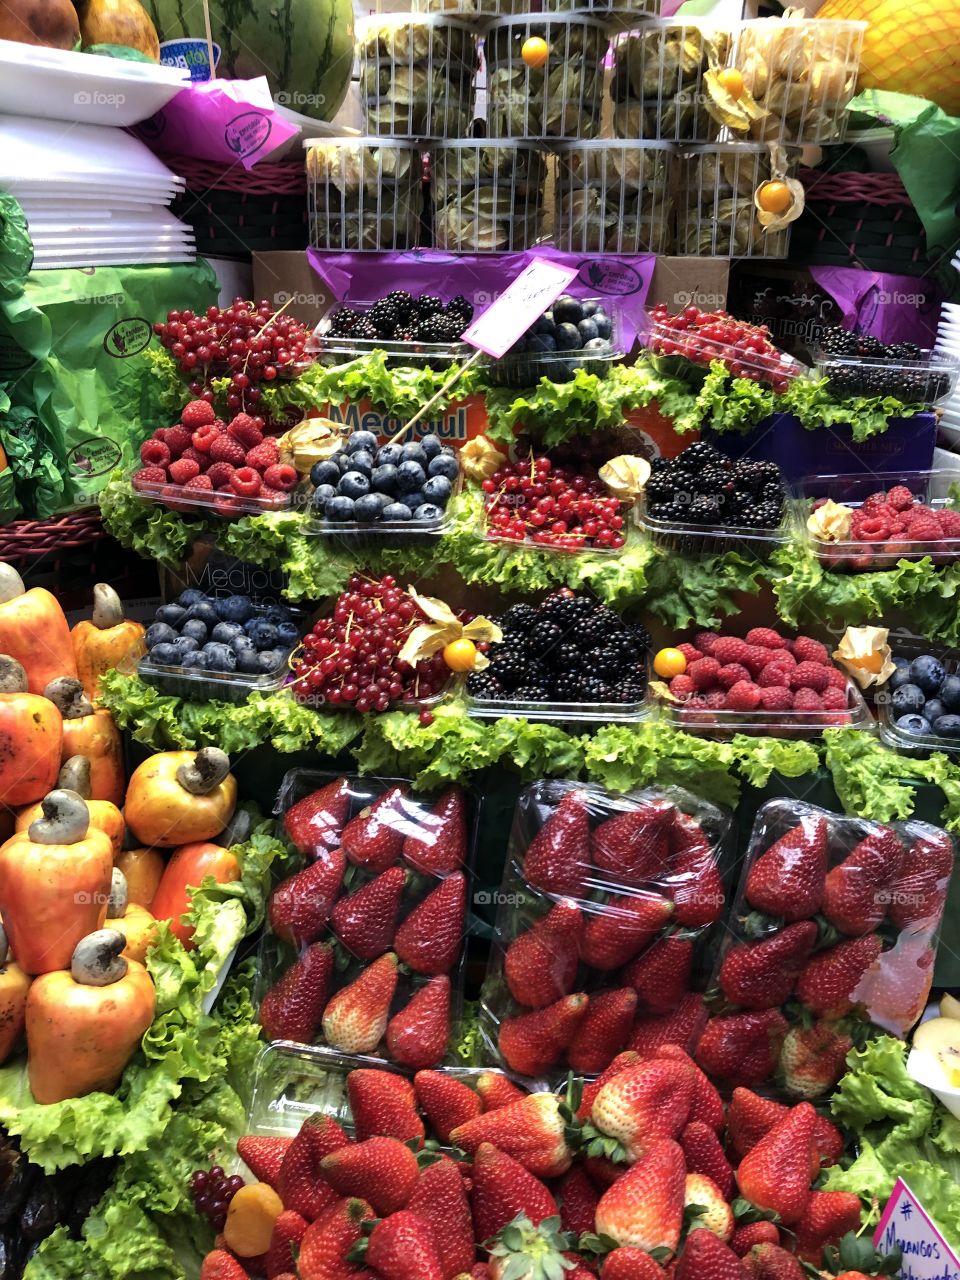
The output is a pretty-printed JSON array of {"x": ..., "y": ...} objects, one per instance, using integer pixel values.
[
  {"x": 487, "y": 195},
  {"x": 716, "y": 211},
  {"x": 613, "y": 197},
  {"x": 363, "y": 193},
  {"x": 658, "y": 77}
]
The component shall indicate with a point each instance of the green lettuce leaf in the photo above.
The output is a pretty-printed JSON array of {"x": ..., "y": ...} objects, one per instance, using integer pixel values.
[
  {"x": 148, "y": 528},
  {"x": 685, "y": 591},
  {"x": 875, "y": 782},
  {"x": 622, "y": 757},
  {"x": 758, "y": 758}
]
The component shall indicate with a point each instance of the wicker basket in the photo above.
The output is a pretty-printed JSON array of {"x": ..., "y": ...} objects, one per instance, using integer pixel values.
[
  {"x": 860, "y": 220},
  {"x": 236, "y": 212},
  {"x": 28, "y": 540}
]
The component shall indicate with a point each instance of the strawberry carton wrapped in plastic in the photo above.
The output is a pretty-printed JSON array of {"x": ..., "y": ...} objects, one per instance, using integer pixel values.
[
  {"x": 364, "y": 949},
  {"x": 834, "y": 926},
  {"x": 605, "y": 915}
]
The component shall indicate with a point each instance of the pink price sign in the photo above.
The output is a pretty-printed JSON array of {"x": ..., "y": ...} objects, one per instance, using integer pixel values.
[
  {"x": 521, "y": 304},
  {"x": 904, "y": 1222}
]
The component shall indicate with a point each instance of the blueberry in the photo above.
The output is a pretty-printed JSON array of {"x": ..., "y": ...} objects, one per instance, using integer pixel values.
[
  {"x": 288, "y": 633},
  {"x": 445, "y": 465},
  {"x": 397, "y": 511},
  {"x": 193, "y": 660},
  {"x": 224, "y": 632},
  {"x": 362, "y": 461},
  {"x": 203, "y": 611},
  {"x": 448, "y": 451},
  {"x": 934, "y": 709},
  {"x": 414, "y": 500},
  {"x": 354, "y": 485},
  {"x": 219, "y": 657},
  {"x": 248, "y": 662},
  {"x": 597, "y": 346},
  {"x": 901, "y": 662},
  {"x": 909, "y": 697},
  {"x": 340, "y": 509},
  {"x": 344, "y": 463},
  {"x": 589, "y": 309},
  {"x": 567, "y": 310},
  {"x": 165, "y": 653},
  {"x": 159, "y": 633},
  {"x": 431, "y": 445},
  {"x": 426, "y": 512},
  {"x": 384, "y": 478},
  {"x": 899, "y": 678},
  {"x": 927, "y": 673},
  {"x": 950, "y": 693},
  {"x": 588, "y": 329},
  {"x": 568, "y": 337},
  {"x": 438, "y": 489},
  {"x": 391, "y": 455},
  {"x": 262, "y": 633},
  {"x": 325, "y": 472},
  {"x": 185, "y": 645},
  {"x": 190, "y": 596},
  {"x": 242, "y": 644},
  {"x": 276, "y": 615},
  {"x": 171, "y": 614},
  {"x": 362, "y": 440},
  {"x": 914, "y": 725},
  {"x": 271, "y": 659},
  {"x": 196, "y": 629},
  {"x": 234, "y": 608},
  {"x": 541, "y": 343},
  {"x": 545, "y": 325},
  {"x": 414, "y": 452},
  {"x": 947, "y": 726},
  {"x": 368, "y": 507},
  {"x": 603, "y": 323},
  {"x": 321, "y": 496},
  {"x": 410, "y": 476}
]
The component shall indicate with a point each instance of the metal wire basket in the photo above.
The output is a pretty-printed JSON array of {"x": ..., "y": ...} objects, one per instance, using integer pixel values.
[
  {"x": 716, "y": 214},
  {"x": 487, "y": 195},
  {"x": 363, "y": 193},
  {"x": 657, "y": 86},
  {"x": 613, "y": 197}
]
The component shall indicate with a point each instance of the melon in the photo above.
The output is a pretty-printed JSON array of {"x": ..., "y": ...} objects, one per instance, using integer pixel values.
[
  {"x": 303, "y": 47},
  {"x": 907, "y": 49}
]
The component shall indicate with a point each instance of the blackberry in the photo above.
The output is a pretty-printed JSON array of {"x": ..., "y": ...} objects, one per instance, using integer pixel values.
[
  {"x": 565, "y": 687},
  {"x": 869, "y": 348},
  {"x": 402, "y": 303},
  {"x": 593, "y": 630},
  {"x": 365, "y": 330},
  {"x": 704, "y": 509},
  {"x": 385, "y": 316},
  {"x": 544, "y": 636},
  {"x": 565, "y": 610},
  {"x": 660, "y": 463},
  {"x": 566, "y": 657},
  {"x": 698, "y": 455},
  {"x": 767, "y": 515},
  {"x": 713, "y": 477},
  {"x": 837, "y": 341},
  {"x": 749, "y": 475},
  {"x": 481, "y": 684},
  {"x": 631, "y": 690},
  {"x": 460, "y": 310},
  {"x": 342, "y": 322},
  {"x": 641, "y": 636},
  {"x": 509, "y": 666},
  {"x": 660, "y": 488},
  {"x": 432, "y": 329},
  {"x": 591, "y": 689},
  {"x": 428, "y": 305},
  {"x": 519, "y": 617},
  {"x": 531, "y": 692},
  {"x": 903, "y": 351}
]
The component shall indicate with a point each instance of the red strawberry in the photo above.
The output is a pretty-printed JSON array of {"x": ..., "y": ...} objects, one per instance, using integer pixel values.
[
  {"x": 695, "y": 883},
  {"x": 788, "y": 880},
  {"x": 775, "y": 1174},
  {"x": 502, "y": 1189},
  {"x": 315, "y": 822},
  {"x": 704, "y": 1154},
  {"x": 263, "y": 1156},
  {"x": 365, "y": 921},
  {"x": 382, "y": 1104},
  {"x": 531, "y": 1130},
  {"x": 531, "y": 1043},
  {"x": 759, "y": 975},
  {"x": 705, "y": 1257},
  {"x": 682, "y": 1026},
  {"x": 920, "y": 888},
  {"x": 324, "y": 1248},
  {"x": 447, "y": 1102},
  {"x": 753, "y": 1233},
  {"x": 742, "y": 1048},
  {"x": 813, "y": 1059},
  {"x": 632, "y": 847},
  {"x": 767, "y": 1261},
  {"x": 856, "y": 892},
  {"x": 374, "y": 838},
  {"x": 417, "y": 1036},
  {"x": 440, "y": 1197},
  {"x": 661, "y": 976},
  {"x": 431, "y": 937},
  {"x": 828, "y": 1218},
  {"x": 299, "y": 1184},
  {"x": 300, "y": 906},
  {"x": 578, "y": 1201},
  {"x": 707, "y": 1104},
  {"x": 540, "y": 965},
  {"x": 288, "y": 1230},
  {"x": 592, "y": 1087},
  {"x": 622, "y": 927},
  {"x": 381, "y": 1170},
  {"x": 220, "y": 1265},
  {"x": 644, "y": 1208},
  {"x": 356, "y": 1017},
  {"x": 750, "y": 1117},
  {"x": 896, "y": 987},
  {"x": 497, "y": 1090},
  {"x": 293, "y": 1007},
  {"x": 558, "y": 858},
  {"x": 630, "y": 1264},
  {"x": 439, "y": 845},
  {"x": 603, "y": 1031},
  {"x": 640, "y": 1105},
  {"x": 830, "y": 983},
  {"x": 404, "y": 1247}
]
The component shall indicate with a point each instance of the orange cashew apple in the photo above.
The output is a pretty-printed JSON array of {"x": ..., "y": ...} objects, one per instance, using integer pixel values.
[
  {"x": 143, "y": 869},
  {"x": 31, "y": 738},
  {"x": 186, "y": 870},
  {"x": 14, "y": 985},
  {"x": 74, "y": 775},
  {"x": 34, "y": 630},
  {"x": 92, "y": 734},
  {"x": 177, "y": 797},
  {"x": 107, "y": 641}
]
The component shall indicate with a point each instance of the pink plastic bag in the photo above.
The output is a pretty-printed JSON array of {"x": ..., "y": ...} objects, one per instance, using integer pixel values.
[{"x": 220, "y": 120}]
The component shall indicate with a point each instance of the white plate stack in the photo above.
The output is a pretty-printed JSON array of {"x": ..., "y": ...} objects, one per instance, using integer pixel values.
[{"x": 948, "y": 341}]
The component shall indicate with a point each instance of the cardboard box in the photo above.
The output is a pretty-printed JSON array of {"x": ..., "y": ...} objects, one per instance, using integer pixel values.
[
  {"x": 286, "y": 273},
  {"x": 680, "y": 282}
]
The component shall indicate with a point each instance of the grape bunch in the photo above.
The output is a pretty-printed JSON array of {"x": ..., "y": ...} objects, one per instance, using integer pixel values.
[
  {"x": 212, "y": 1192},
  {"x": 248, "y": 343},
  {"x": 701, "y": 337},
  {"x": 564, "y": 506}
]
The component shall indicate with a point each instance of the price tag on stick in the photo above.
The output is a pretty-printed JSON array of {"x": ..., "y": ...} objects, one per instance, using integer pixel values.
[
  {"x": 926, "y": 1255},
  {"x": 521, "y": 304}
]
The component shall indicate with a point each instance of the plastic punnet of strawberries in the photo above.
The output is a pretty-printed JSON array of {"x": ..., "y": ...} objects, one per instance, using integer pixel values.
[
  {"x": 557, "y": 506},
  {"x": 834, "y": 926},
  {"x": 202, "y": 461},
  {"x": 892, "y": 525},
  {"x": 608, "y": 905},
  {"x": 367, "y": 937},
  {"x": 700, "y": 337}
]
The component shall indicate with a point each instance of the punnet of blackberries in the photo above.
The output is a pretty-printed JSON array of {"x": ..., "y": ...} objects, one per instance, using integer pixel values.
[
  {"x": 569, "y": 649},
  {"x": 858, "y": 364},
  {"x": 403, "y": 317},
  {"x": 702, "y": 487},
  {"x": 396, "y": 484}
]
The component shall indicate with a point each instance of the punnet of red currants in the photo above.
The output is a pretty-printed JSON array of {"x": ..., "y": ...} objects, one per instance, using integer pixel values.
[
  {"x": 212, "y": 1192},
  {"x": 701, "y": 337},
  {"x": 562, "y": 507}
]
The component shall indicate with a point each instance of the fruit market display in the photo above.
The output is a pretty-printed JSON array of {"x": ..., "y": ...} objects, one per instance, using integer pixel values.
[
  {"x": 559, "y": 506},
  {"x": 700, "y": 337},
  {"x": 873, "y": 528},
  {"x": 922, "y": 700},
  {"x": 366, "y": 483}
]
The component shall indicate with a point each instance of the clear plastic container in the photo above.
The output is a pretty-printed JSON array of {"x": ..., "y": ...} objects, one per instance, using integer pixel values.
[
  {"x": 561, "y": 99},
  {"x": 364, "y": 194},
  {"x": 224, "y": 505},
  {"x": 613, "y": 197},
  {"x": 803, "y": 73},
  {"x": 401, "y": 819},
  {"x": 687, "y": 355},
  {"x": 417, "y": 75},
  {"x": 526, "y": 368},
  {"x": 690, "y": 539},
  {"x": 657, "y": 85},
  {"x": 863, "y": 923},
  {"x": 393, "y": 533},
  {"x": 912, "y": 744},
  {"x": 717, "y": 217},
  {"x": 932, "y": 488},
  {"x": 334, "y": 350},
  {"x": 640, "y": 885},
  {"x": 928, "y": 380},
  {"x": 564, "y": 712},
  {"x": 773, "y": 724},
  {"x": 477, "y": 11},
  {"x": 487, "y": 195}
]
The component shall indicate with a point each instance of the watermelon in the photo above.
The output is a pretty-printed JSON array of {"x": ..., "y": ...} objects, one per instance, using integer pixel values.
[{"x": 303, "y": 47}]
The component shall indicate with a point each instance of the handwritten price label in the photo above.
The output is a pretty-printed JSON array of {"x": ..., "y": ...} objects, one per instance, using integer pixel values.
[
  {"x": 521, "y": 303},
  {"x": 926, "y": 1255}
]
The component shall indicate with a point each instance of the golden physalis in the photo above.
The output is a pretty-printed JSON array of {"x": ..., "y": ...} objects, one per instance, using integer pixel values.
[
  {"x": 457, "y": 640},
  {"x": 669, "y": 662},
  {"x": 535, "y": 52}
]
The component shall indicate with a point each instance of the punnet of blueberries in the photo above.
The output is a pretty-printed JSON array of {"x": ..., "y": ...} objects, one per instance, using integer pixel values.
[
  {"x": 366, "y": 483},
  {"x": 223, "y": 634},
  {"x": 574, "y": 334},
  {"x": 924, "y": 698}
]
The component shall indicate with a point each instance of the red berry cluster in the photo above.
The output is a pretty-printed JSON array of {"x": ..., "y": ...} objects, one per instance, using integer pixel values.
[
  {"x": 226, "y": 465},
  {"x": 212, "y": 1192},
  {"x": 351, "y": 658},
  {"x": 895, "y": 525},
  {"x": 250, "y": 344},
  {"x": 566, "y": 507},
  {"x": 762, "y": 672},
  {"x": 702, "y": 336}
]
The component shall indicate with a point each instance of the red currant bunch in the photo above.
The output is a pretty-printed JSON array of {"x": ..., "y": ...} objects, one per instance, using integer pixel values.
[
  {"x": 563, "y": 507},
  {"x": 212, "y": 1192},
  {"x": 702, "y": 336}
]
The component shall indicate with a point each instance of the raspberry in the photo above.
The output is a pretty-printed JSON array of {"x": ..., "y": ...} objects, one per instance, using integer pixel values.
[
  {"x": 728, "y": 676},
  {"x": 806, "y": 649},
  {"x": 220, "y": 474},
  {"x": 705, "y": 640},
  {"x": 703, "y": 672},
  {"x": 245, "y": 482},
  {"x": 872, "y": 529},
  {"x": 949, "y": 523},
  {"x": 154, "y": 453},
  {"x": 926, "y": 529},
  {"x": 755, "y": 659},
  {"x": 807, "y": 700},
  {"x": 177, "y": 439},
  {"x": 834, "y": 700},
  {"x": 263, "y": 455},
  {"x": 149, "y": 475},
  {"x": 776, "y": 698},
  {"x": 682, "y": 687},
  {"x": 226, "y": 449},
  {"x": 160, "y": 434},
  {"x": 194, "y": 455},
  {"x": 780, "y": 658},
  {"x": 774, "y": 676},
  {"x": 835, "y": 678},
  {"x": 245, "y": 429},
  {"x": 281, "y": 476},
  {"x": 184, "y": 469},
  {"x": 809, "y": 675},
  {"x": 273, "y": 497},
  {"x": 197, "y": 414},
  {"x": 900, "y": 498},
  {"x": 170, "y": 495},
  {"x": 204, "y": 437},
  {"x": 226, "y": 503},
  {"x": 715, "y": 700},
  {"x": 744, "y": 696},
  {"x": 690, "y": 652},
  {"x": 199, "y": 484},
  {"x": 766, "y": 638},
  {"x": 874, "y": 502},
  {"x": 727, "y": 649},
  {"x": 917, "y": 512}
]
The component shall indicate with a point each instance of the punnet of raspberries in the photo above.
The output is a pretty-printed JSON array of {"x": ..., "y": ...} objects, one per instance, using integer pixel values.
[
  {"x": 231, "y": 467},
  {"x": 892, "y": 525}
]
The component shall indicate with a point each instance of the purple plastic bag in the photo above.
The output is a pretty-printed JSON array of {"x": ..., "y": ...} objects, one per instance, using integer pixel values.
[
  {"x": 220, "y": 120},
  {"x": 364, "y": 277},
  {"x": 891, "y": 308}
]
